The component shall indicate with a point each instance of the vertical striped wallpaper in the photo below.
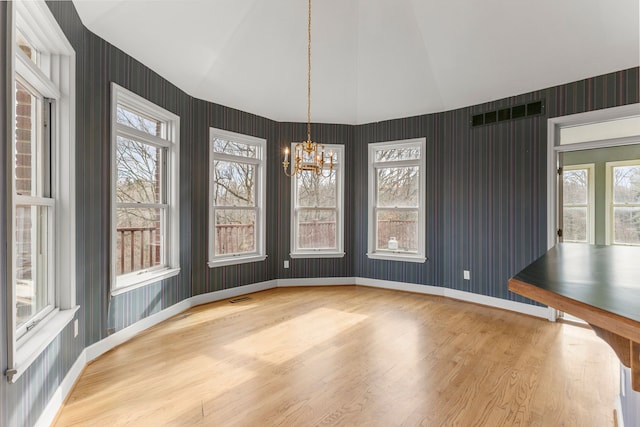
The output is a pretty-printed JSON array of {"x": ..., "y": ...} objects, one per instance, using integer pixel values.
[
  {"x": 486, "y": 186},
  {"x": 486, "y": 199}
]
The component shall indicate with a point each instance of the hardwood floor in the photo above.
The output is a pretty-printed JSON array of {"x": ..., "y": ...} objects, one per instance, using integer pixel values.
[{"x": 349, "y": 355}]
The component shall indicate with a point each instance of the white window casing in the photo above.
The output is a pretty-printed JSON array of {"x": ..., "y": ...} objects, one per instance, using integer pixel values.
[
  {"x": 50, "y": 75},
  {"x": 240, "y": 191},
  {"x": 166, "y": 146},
  {"x": 335, "y": 208},
  {"x": 410, "y": 156}
]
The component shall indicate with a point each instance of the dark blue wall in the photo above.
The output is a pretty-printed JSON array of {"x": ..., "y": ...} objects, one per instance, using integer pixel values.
[{"x": 486, "y": 199}]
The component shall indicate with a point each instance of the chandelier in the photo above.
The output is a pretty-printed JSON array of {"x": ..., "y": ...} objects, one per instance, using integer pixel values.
[{"x": 307, "y": 155}]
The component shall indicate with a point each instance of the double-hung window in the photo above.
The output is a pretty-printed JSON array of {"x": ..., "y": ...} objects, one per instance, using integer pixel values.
[
  {"x": 41, "y": 197},
  {"x": 578, "y": 204},
  {"x": 145, "y": 161},
  {"x": 397, "y": 200},
  {"x": 317, "y": 200},
  {"x": 623, "y": 203},
  {"x": 237, "y": 178}
]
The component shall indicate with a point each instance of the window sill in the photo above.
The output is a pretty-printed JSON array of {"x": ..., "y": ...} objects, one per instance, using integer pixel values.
[
  {"x": 130, "y": 283},
  {"x": 237, "y": 259},
  {"x": 36, "y": 341},
  {"x": 396, "y": 256},
  {"x": 316, "y": 254}
]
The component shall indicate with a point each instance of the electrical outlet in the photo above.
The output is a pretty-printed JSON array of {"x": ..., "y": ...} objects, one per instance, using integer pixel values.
[
  {"x": 467, "y": 275},
  {"x": 75, "y": 328},
  {"x": 286, "y": 263}
]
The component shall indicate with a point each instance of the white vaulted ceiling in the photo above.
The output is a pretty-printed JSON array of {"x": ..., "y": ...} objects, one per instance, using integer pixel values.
[{"x": 371, "y": 59}]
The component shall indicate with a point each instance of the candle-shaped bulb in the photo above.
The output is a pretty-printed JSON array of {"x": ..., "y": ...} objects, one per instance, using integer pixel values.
[{"x": 286, "y": 154}]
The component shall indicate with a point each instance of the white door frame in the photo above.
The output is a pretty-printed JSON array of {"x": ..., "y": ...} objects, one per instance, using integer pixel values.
[{"x": 554, "y": 148}]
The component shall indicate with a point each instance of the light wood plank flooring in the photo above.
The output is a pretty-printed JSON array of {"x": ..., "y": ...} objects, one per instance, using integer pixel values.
[{"x": 352, "y": 356}]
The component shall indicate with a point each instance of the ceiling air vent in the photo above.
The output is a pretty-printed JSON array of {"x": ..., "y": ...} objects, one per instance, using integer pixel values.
[{"x": 519, "y": 111}]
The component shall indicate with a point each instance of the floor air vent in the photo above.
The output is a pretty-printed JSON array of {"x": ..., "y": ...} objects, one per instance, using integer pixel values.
[
  {"x": 519, "y": 111},
  {"x": 241, "y": 299}
]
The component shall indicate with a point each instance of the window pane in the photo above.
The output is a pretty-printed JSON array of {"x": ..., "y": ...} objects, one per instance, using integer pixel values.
[
  {"x": 139, "y": 172},
  {"x": 234, "y": 148},
  {"x": 397, "y": 228},
  {"x": 141, "y": 122},
  {"x": 235, "y": 231},
  {"x": 31, "y": 248},
  {"x": 29, "y": 170},
  {"x": 394, "y": 154},
  {"x": 233, "y": 184},
  {"x": 626, "y": 184},
  {"x": 316, "y": 229},
  {"x": 316, "y": 190},
  {"x": 575, "y": 186},
  {"x": 626, "y": 227},
  {"x": 574, "y": 224},
  {"x": 398, "y": 187},
  {"x": 139, "y": 239}
]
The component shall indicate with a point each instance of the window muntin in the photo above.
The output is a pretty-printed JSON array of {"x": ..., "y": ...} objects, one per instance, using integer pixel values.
[
  {"x": 317, "y": 201},
  {"x": 578, "y": 204},
  {"x": 623, "y": 188},
  {"x": 145, "y": 192},
  {"x": 397, "y": 200},
  {"x": 237, "y": 177}
]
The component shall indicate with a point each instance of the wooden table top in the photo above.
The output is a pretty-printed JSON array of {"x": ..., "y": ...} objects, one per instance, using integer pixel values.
[{"x": 606, "y": 277}]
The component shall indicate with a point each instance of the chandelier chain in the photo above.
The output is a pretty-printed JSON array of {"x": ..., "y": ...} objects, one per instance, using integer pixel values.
[{"x": 309, "y": 74}]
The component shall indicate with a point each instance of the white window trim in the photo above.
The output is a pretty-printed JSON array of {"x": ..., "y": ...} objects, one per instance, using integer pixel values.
[
  {"x": 372, "y": 253},
  {"x": 58, "y": 62},
  {"x": 260, "y": 226},
  {"x": 338, "y": 252},
  {"x": 128, "y": 282},
  {"x": 554, "y": 148},
  {"x": 591, "y": 200},
  {"x": 609, "y": 199}
]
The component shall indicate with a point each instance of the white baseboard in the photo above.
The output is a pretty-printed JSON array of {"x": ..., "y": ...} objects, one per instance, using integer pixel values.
[
  {"x": 325, "y": 281},
  {"x": 517, "y": 307},
  {"x": 52, "y": 408},
  {"x": 96, "y": 350}
]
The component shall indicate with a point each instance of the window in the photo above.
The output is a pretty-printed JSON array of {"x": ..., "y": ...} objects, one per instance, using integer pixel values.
[
  {"x": 237, "y": 176},
  {"x": 41, "y": 298},
  {"x": 623, "y": 203},
  {"x": 397, "y": 200},
  {"x": 145, "y": 218},
  {"x": 578, "y": 204},
  {"x": 316, "y": 205}
]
